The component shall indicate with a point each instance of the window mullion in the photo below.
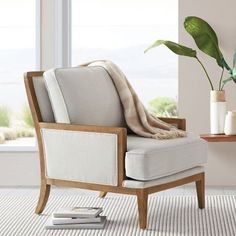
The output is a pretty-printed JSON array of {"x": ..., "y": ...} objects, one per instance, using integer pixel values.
[{"x": 62, "y": 33}]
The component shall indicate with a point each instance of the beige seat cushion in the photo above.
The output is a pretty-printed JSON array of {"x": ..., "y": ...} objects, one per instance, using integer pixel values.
[{"x": 149, "y": 159}]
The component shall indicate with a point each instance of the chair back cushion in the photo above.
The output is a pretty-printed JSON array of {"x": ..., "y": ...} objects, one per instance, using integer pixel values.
[
  {"x": 43, "y": 99},
  {"x": 84, "y": 95}
]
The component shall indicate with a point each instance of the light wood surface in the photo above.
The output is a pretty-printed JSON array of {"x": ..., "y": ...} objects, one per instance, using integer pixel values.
[
  {"x": 142, "y": 194},
  {"x": 43, "y": 197},
  {"x": 90, "y": 186},
  {"x": 102, "y": 194},
  {"x": 200, "y": 187},
  {"x": 218, "y": 137},
  {"x": 179, "y": 122},
  {"x": 174, "y": 184},
  {"x": 142, "y": 199}
]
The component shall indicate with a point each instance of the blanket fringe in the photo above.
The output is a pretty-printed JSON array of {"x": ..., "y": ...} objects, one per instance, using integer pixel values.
[{"x": 169, "y": 134}]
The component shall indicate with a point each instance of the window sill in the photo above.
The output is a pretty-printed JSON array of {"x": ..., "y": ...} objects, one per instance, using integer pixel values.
[
  {"x": 19, "y": 149},
  {"x": 20, "y": 145}
]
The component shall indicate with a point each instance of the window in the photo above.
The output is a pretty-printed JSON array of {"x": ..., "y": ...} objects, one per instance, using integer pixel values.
[
  {"x": 120, "y": 31},
  {"x": 17, "y": 55}
]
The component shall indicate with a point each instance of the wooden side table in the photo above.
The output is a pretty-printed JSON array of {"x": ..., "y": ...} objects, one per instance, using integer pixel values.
[{"x": 218, "y": 137}]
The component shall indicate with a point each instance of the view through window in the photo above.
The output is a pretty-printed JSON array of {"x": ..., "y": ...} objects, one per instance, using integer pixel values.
[
  {"x": 17, "y": 55},
  {"x": 120, "y": 31}
]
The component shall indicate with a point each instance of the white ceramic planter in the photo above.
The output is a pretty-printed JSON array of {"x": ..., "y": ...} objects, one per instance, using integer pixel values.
[
  {"x": 230, "y": 123},
  {"x": 218, "y": 111}
]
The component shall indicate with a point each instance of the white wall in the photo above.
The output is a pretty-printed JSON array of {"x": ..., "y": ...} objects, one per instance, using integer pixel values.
[
  {"x": 19, "y": 169},
  {"x": 194, "y": 89}
]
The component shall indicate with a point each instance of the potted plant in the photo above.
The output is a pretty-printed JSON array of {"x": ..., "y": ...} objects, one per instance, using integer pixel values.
[{"x": 207, "y": 41}]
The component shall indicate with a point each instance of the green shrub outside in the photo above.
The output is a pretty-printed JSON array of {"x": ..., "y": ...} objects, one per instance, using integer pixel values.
[
  {"x": 163, "y": 106},
  {"x": 25, "y": 132},
  {"x": 11, "y": 133},
  {"x": 27, "y": 117},
  {"x": 4, "y": 116}
]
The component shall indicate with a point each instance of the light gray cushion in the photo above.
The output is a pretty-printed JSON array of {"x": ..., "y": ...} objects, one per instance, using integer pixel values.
[
  {"x": 84, "y": 95},
  {"x": 43, "y": 99},
  {"x": 149, "y": 159}
]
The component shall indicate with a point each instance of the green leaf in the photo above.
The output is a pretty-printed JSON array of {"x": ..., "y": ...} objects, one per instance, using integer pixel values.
[
  {"x": 205, "y": 37},
  {"x": 174, "y": 47},
  {"x": 234, "y": 61},
  {"x": 232, "y": 72},
  {"x": 226, "y": 66},
  {"x": 227, "y": 80},
  {"x": 234, "y": 68}
]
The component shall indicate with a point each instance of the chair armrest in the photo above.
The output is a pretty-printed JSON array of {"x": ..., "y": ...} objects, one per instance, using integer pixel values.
[
  {"x": 86, "y": 128},
  {"x": 120, "y": 133},
  {"x": 180, "y": 123}
]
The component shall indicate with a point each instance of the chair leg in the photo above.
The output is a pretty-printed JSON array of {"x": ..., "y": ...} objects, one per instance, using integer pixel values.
[
  {"x": 200, "y": 187},
  {"x": 142, "y": 198},
  {"x": 43, "y": 198},
  {"x": 102, "y": 194}
]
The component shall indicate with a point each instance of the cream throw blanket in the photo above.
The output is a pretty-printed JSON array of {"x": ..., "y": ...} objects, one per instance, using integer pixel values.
[{"x": 139, "y": 120}]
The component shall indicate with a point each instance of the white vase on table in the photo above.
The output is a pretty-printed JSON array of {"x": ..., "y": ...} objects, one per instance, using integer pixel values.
[{"x": 218, "y": 111}]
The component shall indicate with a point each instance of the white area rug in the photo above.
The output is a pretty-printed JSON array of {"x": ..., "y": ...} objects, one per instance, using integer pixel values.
[{"x": 167, "y": 216}]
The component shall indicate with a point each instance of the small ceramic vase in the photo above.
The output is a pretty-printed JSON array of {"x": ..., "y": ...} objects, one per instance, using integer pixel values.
[{"x": 230, "y": 123}]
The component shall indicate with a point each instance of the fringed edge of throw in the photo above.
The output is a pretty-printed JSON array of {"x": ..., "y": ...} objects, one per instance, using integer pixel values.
[{"x": 169, "y": 134}]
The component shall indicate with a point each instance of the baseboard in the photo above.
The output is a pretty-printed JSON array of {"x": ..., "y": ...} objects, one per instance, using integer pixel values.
[{"x": 19, "y": 169}]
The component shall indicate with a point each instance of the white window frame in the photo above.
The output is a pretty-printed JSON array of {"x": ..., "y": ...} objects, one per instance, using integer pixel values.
[
  {"x": 38, "y": 11},
  {"x": 62, "y": 33}
]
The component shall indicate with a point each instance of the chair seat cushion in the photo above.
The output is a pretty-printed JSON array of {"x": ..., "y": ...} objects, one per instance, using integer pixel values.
[{"x": 149, "y": 159}]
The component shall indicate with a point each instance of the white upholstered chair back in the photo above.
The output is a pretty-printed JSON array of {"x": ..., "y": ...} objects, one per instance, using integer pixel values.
[{"x": 87, "y": 93}]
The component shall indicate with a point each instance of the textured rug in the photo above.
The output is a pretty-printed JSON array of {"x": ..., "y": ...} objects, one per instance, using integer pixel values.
[{"x": 172, "y": 215}]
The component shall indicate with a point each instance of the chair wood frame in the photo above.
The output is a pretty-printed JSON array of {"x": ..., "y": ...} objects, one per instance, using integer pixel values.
[{"x": 142, "y": 194}]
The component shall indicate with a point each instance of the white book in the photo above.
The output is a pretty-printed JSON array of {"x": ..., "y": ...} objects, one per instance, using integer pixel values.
[
  {"x": 76, "y": 212},
  {"x": 59, "y": 221},
  {"x": 99, "y": 225}
]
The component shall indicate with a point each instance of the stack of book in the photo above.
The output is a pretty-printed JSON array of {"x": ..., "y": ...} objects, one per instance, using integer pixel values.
[{"x": 77, "y": 218}]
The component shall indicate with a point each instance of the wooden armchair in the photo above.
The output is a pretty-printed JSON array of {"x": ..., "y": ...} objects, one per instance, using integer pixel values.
[{"x": 102, "y": 156}]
